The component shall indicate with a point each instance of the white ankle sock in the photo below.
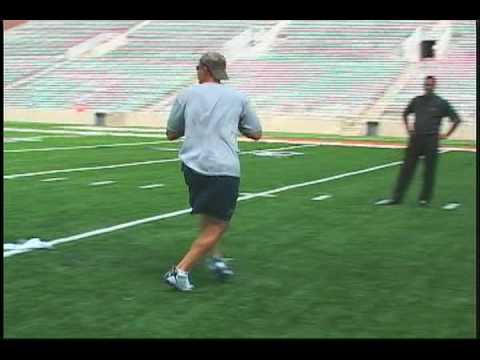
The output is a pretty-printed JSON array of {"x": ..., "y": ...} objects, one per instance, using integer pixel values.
[{"x": 181, "y": 272}]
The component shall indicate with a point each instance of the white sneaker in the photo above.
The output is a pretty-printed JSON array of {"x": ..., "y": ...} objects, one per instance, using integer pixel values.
[
  {"x": 219, "y": 267},
  {"x": 178, "y": 281}
]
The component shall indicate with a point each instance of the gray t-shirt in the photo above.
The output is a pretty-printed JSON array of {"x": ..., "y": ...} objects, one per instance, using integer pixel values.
[{"x": 211, "y": 115}]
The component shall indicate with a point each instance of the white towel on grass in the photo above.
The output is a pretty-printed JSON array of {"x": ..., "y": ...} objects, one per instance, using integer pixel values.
[{"x": 34, "y": 243}]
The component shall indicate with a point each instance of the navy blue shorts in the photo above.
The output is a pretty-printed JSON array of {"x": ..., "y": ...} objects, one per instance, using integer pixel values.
[{"x": 215, "y": 196}]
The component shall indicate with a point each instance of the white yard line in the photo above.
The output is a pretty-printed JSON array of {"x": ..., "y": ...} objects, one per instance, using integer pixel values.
[
  {"x": 322, "y": 197},
  {"x": 97, "y": 183},
  {"x": 15, "y": 176},
  {"x": 247, "y": 194},
  {"x": 54, "y": 179},
  {"x": 112, "y": 129},
  {"x": 59, "y": 136},
  {"x": 39, "y": 138},
  {"x": 332, "y": 143},
  {"x": 15, "y": 140},
  {"x": 165, "y": 149},
  {"x": 451, "y": 206},
  {"x": 61, "y": 148},
  {"x": 50, "y": 131},
  {"x": 10, "y": 140},
  {"x": 347, "y": 144},
  {"x": 267, "y": 141},
  {"x": 186, "y": 211},
  {"x": 104, "y": 230},
  {"x": 48, "y": 172},
  {"x": 151, "y": 186},
  {"x": 88, "y": 133},
  {"x": 281, "y": 148},
  {"x": 319, "y": 181}
]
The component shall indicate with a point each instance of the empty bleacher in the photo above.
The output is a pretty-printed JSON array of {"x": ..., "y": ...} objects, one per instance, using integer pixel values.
[
  {"x": 158, "y": 59},
  {"x": 455, "y": 73},
  {"x": 37, "y": 45},
  {"x": 329, "y": 69}
]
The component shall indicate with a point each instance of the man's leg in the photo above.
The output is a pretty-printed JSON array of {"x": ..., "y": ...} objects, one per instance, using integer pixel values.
[
  {"x": 215, "y": 251},
  {"x": 431, "y": 155},
  {"x": 211, "y": 231},
  {"x": 407, "y": 170},
  {"x": 215, "y": 261}
]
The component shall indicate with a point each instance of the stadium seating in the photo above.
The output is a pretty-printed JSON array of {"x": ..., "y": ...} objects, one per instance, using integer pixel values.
[
  {"x": 328, "y": 68},
  {"x": 455, "y": 72},
  {"x": 158, "y": 59},
  {"x": 325, "y": 68},
  {"x": 36, "y": 45}
]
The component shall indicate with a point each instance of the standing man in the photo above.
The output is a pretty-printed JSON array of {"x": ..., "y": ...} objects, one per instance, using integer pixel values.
[
  {"x": 210, "y": 115},
  {"x": 429, "y": 109}
]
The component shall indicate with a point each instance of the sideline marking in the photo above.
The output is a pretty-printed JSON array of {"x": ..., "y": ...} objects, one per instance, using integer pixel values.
[
  {"x": 322, "y": 197},
  {"x": 151, "y": 186},
  {"x": 101, "y": 183},
  {"x": 79, "y": 147},
  {"x": 14, "y": 176},
  {"x": 54, "y": 179},
  {"x": 451, "y": 206},
  {"x": 247, "y": 194}
]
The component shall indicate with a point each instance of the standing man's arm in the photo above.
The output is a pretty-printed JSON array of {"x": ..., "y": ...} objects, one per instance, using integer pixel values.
[
  {"x": 176, "y": 120},
  {"x": 453, "y": 116},
  {"x": 408, "y": 110},
  {"x": 249, "y": 124}
]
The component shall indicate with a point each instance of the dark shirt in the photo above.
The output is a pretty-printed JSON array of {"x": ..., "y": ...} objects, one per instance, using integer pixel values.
[{"x": 429, "y": 111}]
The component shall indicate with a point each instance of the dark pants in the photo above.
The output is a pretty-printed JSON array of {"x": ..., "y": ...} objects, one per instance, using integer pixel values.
[{"x": 426, "y": 145}]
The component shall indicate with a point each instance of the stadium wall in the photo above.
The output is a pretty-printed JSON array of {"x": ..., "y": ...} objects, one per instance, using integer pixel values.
[{"x": 294, "y": 123}]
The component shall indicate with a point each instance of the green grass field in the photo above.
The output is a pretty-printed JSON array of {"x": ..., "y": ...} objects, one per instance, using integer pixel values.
[{"x": 337, "y": 268}]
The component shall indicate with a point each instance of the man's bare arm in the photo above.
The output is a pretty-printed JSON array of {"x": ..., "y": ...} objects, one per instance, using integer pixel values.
[
  {"x": 171, "y": 135},
  {"x": 254, "y": 136}
]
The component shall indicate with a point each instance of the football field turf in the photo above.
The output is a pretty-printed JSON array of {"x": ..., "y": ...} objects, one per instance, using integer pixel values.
[{"x": 333, "y": 268}]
